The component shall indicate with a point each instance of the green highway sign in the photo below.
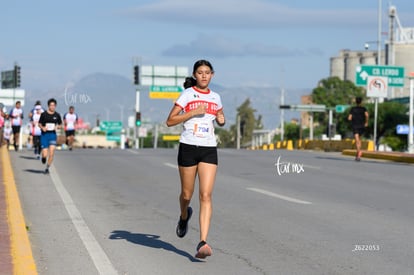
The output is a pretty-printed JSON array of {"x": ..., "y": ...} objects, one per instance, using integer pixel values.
[
  {"x": 341, "y": 108},
  {"x": 113, "y": 136},
  {"x": 111, "y": 126},
  {"x": 7, "y": 79},
  {"x": 168, "y": 92},
  {"x": 166, "y": 89},
  {"x": 309, "y": 108},
  {"x": 395, "y": 74}
]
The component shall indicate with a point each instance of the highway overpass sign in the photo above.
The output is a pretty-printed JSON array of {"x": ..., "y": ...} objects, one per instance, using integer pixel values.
[{"x": 395, "y": 74}]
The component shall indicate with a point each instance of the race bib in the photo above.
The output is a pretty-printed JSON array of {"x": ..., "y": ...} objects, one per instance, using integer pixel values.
[
  {"x": 50, "y": 126},
  {"x": 202, "y": 130}
]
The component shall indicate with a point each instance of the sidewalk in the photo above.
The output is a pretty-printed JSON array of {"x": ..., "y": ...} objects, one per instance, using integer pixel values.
[
  {"x": 391, "y": 156},
  {"x": 6, "y": 263},
  {"x": 15, "y": 251}
]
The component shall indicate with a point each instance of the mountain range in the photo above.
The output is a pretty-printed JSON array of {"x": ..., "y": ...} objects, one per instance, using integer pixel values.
[{"x": 112, "y": 97}]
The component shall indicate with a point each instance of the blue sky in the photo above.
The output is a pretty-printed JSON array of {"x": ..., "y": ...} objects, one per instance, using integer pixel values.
[{"x": 249, "y": 42}]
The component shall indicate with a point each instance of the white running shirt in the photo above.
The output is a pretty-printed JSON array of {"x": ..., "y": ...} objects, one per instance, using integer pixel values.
[
  {"x": 199, "y": 130},
  {"x": 35, "y": 129},
  {"x": 16, "y": 115},
  {"x": 70, "y": 120}
]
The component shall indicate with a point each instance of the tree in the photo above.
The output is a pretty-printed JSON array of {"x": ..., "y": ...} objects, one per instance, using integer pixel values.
[
  {"x": 333, "y": 91},
  {"x": 292, "y": 131},
  {"x": 390, "y": 114},
  {"x": 330, "y": 92},
  {"x": 248, "y": 123}
]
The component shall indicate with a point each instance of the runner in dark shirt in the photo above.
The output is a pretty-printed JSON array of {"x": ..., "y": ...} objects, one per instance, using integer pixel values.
[
  {"x": 359, "y": 120},
  {"x": 49, "y": 122}
]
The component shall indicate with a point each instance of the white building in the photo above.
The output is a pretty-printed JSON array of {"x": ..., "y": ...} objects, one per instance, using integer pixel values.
[{"x": 399, "y": 51}]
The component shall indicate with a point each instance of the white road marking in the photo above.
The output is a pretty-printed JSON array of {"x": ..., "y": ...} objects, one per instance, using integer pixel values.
[
  {"x": 171, "y": 165},
  {"x": 98, "y": 256},
  {"x": 312, "y": 167},
  {"x": 282, "y": 197}
]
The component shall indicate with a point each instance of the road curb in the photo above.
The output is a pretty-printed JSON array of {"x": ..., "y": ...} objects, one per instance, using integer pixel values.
[
  {"x": 21, "y": 252},
  {"x": 382, "y": 155}
]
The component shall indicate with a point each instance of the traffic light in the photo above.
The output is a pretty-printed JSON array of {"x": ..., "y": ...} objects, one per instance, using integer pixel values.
[
  {"x": 16, "y": 76},
  {"x": 136, "y": 75},
  {"x": 331, "y": 131},
  {"x": 138, "y": 119}
]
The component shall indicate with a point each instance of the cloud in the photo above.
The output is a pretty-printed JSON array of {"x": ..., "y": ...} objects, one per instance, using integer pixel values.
[
  {"x": 220, "y": 46},
  {"x": 242, "y": 14}
]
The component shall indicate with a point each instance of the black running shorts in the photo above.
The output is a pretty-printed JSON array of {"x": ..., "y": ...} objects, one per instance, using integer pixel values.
[
  {"x": 190, "y": 155},
  {"x": 358, "y": 130},
  {"x": 16, "y": 129},
  {"x": 69, "y": 133}
]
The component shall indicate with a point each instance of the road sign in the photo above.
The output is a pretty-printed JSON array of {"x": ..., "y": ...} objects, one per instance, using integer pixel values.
[
  {"x": 113, "y": 136},
  {"x": 395, "y": 74},
  {"x": 403, "y": 129},
  {"x": 377, "y": 86},
  {"x": 169, "y": 92},
  {"x": 111, "y": 126},
  {"x": 142, "y": 132},
  {"x": 9, "y": 96},
  {"x": 163, "y": 75},
  {"x": 341, "y": 108},
  {"x": 7, "y": 79},
  {"x": 309, "y": 108}
]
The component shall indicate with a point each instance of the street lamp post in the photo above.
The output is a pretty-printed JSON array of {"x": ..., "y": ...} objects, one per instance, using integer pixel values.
[
  {"x": 378, "y": 63},
  {"x": 410, "y": 126}
]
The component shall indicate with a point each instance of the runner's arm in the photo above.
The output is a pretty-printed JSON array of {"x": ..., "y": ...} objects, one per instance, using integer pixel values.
[{"x": 176, "y": 115}]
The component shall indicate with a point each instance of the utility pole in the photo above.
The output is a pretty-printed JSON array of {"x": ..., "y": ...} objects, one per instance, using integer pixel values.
[
  {"x": 282, "y": 111},
  {"x": 378, "y": 63},
  {"x": 136, "y": 81},
  {"x": 238, "y": 133},
  {"x": 410, "y": 125}
]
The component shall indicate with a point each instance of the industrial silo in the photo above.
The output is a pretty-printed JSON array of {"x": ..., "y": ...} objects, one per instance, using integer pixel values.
[{"x": 404, "y": 57}]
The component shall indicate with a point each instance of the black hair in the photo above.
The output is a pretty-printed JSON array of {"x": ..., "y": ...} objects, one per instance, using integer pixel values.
[
  {"x": 38, "y": 102},
  {"x": 358, "y": 100},
  {"x": 189, "y": 82},
  {"x": 52, "y": 100},
  {"x": 202, "y": 62}
]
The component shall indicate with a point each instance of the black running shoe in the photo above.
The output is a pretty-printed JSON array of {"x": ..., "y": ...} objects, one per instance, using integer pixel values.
[
  {"x": 43, "y": 160},
  {"x": 203, "y": 250},
  {"x": 182, "y": 225},
  {"x": 46, "y": 171}
]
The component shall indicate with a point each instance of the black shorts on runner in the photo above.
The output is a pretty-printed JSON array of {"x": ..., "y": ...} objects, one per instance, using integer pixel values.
[
  {"x": 70, "y": 133},
  {"x": 360, "y": 130},
  {"x": 16, "y": 129},
  {"x": 190, "y": 155}
]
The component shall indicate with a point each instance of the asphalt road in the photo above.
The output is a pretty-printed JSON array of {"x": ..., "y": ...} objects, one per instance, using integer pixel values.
[{"x": 115, "y": 212}]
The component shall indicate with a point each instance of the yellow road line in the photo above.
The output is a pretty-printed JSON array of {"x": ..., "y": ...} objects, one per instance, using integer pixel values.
[{"x": 23, "y": 262}]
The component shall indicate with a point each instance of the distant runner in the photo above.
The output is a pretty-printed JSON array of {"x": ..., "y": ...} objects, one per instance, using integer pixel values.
[
  {"x": 359, "y": 120},
  {"x": 35, "y": 130},
  {"x": 49, "y": 122},
  {"x": 3, "y": 117},
  {"x": 16, "y": 116},
  {"x": 70, "y": 120}
]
